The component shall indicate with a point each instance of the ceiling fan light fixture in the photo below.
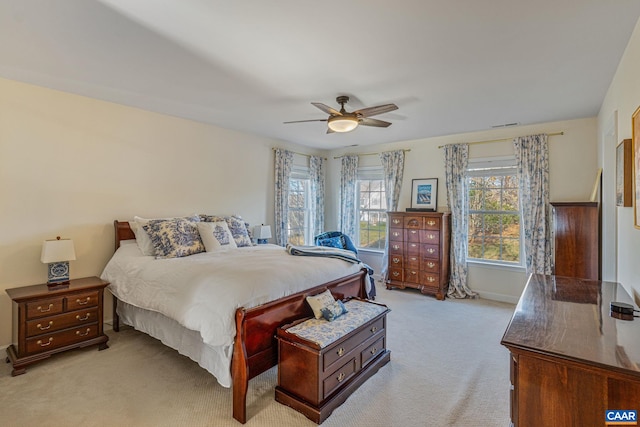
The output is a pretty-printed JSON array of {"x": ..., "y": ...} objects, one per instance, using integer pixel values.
[{"x": 342, "y": 123}]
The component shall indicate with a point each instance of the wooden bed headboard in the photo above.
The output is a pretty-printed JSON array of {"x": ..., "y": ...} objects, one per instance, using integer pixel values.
[{"x": 123, "y": 232}]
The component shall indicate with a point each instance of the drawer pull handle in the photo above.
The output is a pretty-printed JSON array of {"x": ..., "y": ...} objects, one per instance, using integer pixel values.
[
  {"x": 396, "y": 234},
  {"x": 413, "y": 222},
  {"x": 340, "y": 351},
  {"x": 396, "y": 221},
  {"x": 44, "y": 328},
  {"x": 396, "y": 260},
  {"x": 341, "y": 376},
  {"x": 42, "y": 310},
  {"x": 431, "y": 250},
  {"x": 396, "y": 247},
  {"x": 44, "y": 344},
  {"x": 395, "y": 274},
  {"x": 413, "y": 258},
  {"x": 431, "y": 236},
  {"x": 431, "y": 222},
  {"x": 85, "y": 302},
  {"x": 413, "y": 273},
  {"x": 85, "y": 334},
  {"x": 431, "y": 264},
  {"x": 413, "y": 231},
  {"x": 83, "y": 318},
  {"x": 375, "y": 328},
  {"x": 374, "y": 350},
  {"x": 431, "y": 279}
]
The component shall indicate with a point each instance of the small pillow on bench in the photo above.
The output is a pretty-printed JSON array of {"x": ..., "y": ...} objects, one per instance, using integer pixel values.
[{"x": 333, "y": 311}]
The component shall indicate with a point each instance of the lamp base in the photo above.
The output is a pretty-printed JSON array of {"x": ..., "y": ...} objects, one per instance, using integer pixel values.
[
  {"x": 58, "y": 273},
  {"x": 262, "y": 241}
]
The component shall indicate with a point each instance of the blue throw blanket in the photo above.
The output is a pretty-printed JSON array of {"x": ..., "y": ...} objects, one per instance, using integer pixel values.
[{"x": 323, "y": 251}]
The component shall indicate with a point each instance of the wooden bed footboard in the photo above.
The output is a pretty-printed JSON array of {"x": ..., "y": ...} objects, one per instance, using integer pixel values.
[{"x": 255, "y": 348}]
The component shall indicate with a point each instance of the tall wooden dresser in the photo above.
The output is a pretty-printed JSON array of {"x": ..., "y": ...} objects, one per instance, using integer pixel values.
[{"x": 419, "y": 251}]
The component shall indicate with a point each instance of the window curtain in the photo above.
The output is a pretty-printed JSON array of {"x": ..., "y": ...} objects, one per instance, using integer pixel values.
[
  {"x": 283, "y": 165},
  {"x": 348, "y": 182},
  {"x": 456, "y": 160},
  {"x": 532, "y": 158},
  {"x": 393, "y": 165},
  {"x": 317, "y": 176}
]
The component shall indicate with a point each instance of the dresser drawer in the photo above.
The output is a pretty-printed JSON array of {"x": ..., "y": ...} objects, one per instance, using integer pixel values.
[
  {"x": 430, "y": 236},
  {"x": 372, "y": 351},
  {"x": 79, "y": 301},
  {"x": 430, "y": 265},
  {"x": 396, "y": 248},
  {"x": 430, "y": 251},
  {"x": 413, "y": 248},
  {"x": 432, "y": 223},
  {"x": 412, "y": 262},
  {"x": 396, "y": 261},
  {"x": 412, "y": 235},
  {"x": 43, "y": 308},
  {"x": 413, "y": 222},
  {"x": 396, "y": 274},
  {"x": 337, "y": 378},
  {"x": 412, "y": 276},
  {"x": 61, "y": 321},
  {"x": 54, "y": 340},
  {"x": 396, "y": 235},
  {"x": 429, "y": 279},
  {"x": 396, "y": 221}
]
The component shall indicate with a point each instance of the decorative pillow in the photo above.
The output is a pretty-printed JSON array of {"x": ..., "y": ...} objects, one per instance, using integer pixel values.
[
  {"x": 237, "y": 226},
  {"x": 333, "y": 311},
  {"x": 174, "y": 238},
  {"x": 332, "y": 242},
  {"x": 216, "y": 236},
  {"x": 142, "y": 237},
  {"x": 319, "y": 301}
]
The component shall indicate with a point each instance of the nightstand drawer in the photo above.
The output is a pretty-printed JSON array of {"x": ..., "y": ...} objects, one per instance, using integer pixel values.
[
  {"x": 340, "y": 376},
  {"x": 372, "y": 351},
  {"x": 61, "y": 321},
  {"x": 43, "y": 308},
  {"x": 79, "y": 301},
  {"x": 54, "y": 340}
]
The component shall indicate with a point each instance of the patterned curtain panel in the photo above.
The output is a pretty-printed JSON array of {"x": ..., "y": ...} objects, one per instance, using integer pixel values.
[
  {"x": 348, "y": 195},
  {"x": 283, "y": 164},
  {"x": 456, "y": 159},
  {"x": 532, "y": 157},
  {"x": 393, "y": 165},
  {"x": 317, "y": 175}
]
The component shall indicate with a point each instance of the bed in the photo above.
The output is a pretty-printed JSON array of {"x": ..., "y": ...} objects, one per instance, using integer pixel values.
[{"x": 252, "y": 347}]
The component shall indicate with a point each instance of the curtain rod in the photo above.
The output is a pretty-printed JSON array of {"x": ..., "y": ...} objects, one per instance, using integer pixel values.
[
  {"x": 299, "y": 154},
  {"x": 365, "y": 154},
  {"x": 498, "y": 140}
]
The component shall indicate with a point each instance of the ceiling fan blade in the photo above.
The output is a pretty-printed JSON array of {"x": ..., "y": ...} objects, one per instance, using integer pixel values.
[
  {"x": 379, "y": 109},
  {"x": 302, "y": 121},
  {"x": 374, "y": 122},
  {"x": 326, "y": 109}
]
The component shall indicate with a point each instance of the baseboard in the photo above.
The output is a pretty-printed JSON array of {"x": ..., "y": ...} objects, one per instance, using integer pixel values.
[{"x": 498, "y": 297}]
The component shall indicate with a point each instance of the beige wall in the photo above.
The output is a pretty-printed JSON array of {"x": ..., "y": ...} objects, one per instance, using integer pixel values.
[
  {"x": 573, "y": 170},
  {"x": 70, "y": 165},
  {"x": 614, "y": 125}
]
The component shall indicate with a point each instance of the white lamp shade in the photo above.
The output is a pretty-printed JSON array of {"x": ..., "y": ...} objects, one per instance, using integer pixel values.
[
  {"x": 262, "y": 232},
  {"x": 57, "y": 250}
]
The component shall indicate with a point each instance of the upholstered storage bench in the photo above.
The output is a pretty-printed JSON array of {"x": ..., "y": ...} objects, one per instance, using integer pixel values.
[{"x": 321, "y": 363}]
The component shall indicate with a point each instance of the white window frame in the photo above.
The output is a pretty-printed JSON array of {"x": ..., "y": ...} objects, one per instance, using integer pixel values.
[
  {"x": 368, "y": 173},
  {"x": 495, "y": 166},
  {"x": 301, "y": 173}
]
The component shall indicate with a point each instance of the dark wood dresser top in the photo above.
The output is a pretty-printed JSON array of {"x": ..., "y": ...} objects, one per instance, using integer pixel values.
[{"x": 569, "y": 318}]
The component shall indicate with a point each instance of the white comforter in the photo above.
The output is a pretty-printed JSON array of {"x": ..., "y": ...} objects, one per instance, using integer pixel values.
[{"x": 202, "y": 292}]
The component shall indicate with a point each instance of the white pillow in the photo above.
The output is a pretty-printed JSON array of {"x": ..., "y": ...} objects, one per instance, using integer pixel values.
[
  {"x": 320, "y": 301},
  {"x": 216, "y": 236},
  {"x": 142, "y": 237}
]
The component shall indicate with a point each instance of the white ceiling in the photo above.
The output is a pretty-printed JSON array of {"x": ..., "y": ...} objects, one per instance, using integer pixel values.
[{"x": 450, "y": 66}]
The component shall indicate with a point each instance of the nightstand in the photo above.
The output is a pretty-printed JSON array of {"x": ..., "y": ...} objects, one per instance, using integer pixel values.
[{"x": 49, "y": 321}]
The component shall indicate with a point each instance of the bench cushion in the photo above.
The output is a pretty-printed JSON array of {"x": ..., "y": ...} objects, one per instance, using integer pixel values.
[{"x": 323, "y": 332}]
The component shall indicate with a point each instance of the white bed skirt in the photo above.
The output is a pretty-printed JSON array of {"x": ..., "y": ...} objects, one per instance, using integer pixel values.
[{"x": 187, "y": 342}]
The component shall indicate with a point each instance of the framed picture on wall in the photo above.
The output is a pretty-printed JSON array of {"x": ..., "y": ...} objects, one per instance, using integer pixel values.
[
  {"x": 624, "y": 162},
  {"x": 635, "y": 125},
  {"x": 424, "y": 195}
]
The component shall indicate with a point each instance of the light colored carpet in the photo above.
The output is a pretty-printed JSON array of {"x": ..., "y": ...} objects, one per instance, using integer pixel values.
[{"x": 447, "y": 369}]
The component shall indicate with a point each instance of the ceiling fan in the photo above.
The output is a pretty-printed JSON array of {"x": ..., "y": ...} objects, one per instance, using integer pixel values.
[{"x": 343, "y": 121}]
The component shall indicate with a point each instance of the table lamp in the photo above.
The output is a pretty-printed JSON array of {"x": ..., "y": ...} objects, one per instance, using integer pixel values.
[
  {"x": 261, "y": 233},
  {"x": 57, "y": 253}
]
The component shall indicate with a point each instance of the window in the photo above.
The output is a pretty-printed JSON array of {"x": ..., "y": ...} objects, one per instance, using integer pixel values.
[
  {"x": 372, "y": 209},
  {"x": 299, "y": 225},
  {"x": 494, "y": 218}
]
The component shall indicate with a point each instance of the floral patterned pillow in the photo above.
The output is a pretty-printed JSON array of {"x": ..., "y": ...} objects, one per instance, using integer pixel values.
[
  {"x": 333, "y": 311},
  {"x": 237, "y": 226},
  {"x": 174, "y": 238}
]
